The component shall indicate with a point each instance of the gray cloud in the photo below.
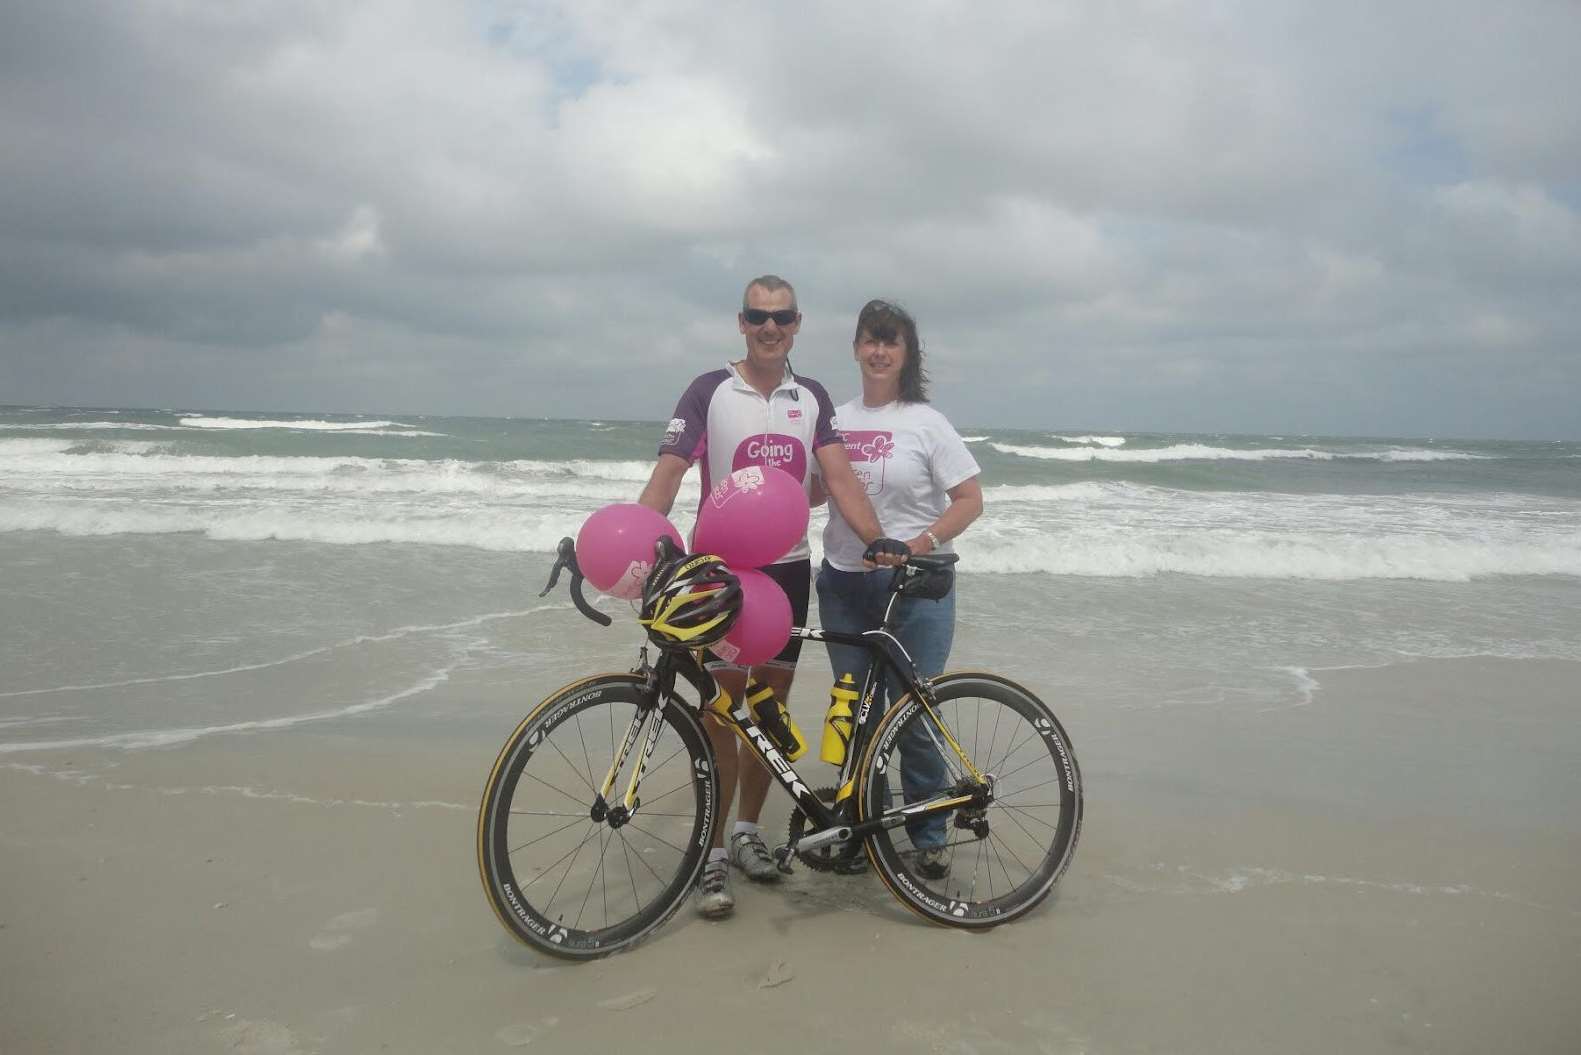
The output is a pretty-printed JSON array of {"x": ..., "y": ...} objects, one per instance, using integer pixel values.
[{"x": 1271, "y": 217}]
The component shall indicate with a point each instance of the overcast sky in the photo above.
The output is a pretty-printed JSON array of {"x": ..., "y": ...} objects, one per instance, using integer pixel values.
[{"x": 1359, "y": 218}]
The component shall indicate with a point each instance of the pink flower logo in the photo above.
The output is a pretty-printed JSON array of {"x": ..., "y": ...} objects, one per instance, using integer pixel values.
[{"x": 882, "y": 447}]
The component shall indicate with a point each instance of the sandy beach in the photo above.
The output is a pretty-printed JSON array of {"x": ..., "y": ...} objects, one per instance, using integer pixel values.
[{"x": 316, "y": 892}]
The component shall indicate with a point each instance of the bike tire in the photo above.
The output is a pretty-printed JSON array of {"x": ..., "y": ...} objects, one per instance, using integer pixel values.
[
  {"x": 995, "y": 879},
  {"x": 539, "y": 797}
]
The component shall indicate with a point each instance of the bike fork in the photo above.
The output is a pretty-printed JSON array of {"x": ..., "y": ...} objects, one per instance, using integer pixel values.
[{"x": 623, "y": 811}]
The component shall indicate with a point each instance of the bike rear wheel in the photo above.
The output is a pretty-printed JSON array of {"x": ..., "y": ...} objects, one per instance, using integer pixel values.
[
  {"x": 998, "y": 862},
  {"x": 565, "y": 883}
]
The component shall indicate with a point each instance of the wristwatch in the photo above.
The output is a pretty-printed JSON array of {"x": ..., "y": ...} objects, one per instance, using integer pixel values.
[{"x": 932, "y": 538}]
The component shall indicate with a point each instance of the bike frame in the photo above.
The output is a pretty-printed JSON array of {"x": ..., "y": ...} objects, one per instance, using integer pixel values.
[{"x": 830, "y": 824}]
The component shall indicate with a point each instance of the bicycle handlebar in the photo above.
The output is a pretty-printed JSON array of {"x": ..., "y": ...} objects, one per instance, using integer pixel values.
[
  {"x": 566, "y": 558},
  {"x": 666, "y": 550}
]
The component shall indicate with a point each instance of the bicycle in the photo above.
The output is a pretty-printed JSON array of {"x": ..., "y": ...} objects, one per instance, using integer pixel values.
[{"x": 587, "y": 845}]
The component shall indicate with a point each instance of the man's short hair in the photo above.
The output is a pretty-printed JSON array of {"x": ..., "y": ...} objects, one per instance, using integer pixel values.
[{"x": 769, "y": 283}]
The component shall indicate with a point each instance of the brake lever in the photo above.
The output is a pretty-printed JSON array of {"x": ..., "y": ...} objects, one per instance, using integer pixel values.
[{"x": 566, "y": 558}]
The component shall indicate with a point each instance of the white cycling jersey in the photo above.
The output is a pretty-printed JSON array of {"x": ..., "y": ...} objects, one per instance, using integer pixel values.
[{"x": 725, "y": 424}]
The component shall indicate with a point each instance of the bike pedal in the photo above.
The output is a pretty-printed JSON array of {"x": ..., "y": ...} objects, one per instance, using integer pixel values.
[{"x": 782, "y": 856}]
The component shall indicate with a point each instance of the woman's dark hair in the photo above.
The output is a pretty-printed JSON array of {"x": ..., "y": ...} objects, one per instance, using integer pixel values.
[{"x": 883, "y": 320}]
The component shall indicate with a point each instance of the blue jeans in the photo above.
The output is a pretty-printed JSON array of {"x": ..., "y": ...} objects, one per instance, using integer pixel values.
[{"x": 852, "y": 602}]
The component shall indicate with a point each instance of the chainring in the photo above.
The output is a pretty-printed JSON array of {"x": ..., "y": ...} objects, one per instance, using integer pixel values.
[{"x": 844, "y": 858}]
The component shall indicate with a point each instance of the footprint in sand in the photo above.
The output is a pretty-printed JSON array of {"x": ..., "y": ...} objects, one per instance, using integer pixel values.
[
  {"x": 520, "y": 1034},
  {"x": 338, "y": 932},
  {"x": 260, "y": 1038}
]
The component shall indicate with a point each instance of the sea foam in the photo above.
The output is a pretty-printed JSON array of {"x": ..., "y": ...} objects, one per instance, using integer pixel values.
[
  {"x": 310, "y": 425},
  {"x": 1201, "y": 452}
]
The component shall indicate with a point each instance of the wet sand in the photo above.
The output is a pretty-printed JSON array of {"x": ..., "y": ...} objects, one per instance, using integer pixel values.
[{"x": 316, "y": 891}]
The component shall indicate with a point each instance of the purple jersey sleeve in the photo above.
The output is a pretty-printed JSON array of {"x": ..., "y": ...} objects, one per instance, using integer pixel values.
[
  {"x": 824, "y": 432},
  {"x": 688, "y": 428}
]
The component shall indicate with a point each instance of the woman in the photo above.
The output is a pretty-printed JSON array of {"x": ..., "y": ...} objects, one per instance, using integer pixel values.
[{"x": 923, "y": 484}]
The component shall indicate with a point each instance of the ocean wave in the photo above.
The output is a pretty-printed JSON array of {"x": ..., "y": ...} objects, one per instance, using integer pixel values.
[
  {"x": 481, "y": 528},
  {"x": 1112, "y": 545},
  {"x": 630, "y": 470},
  {"x": 1416, "y": 455},
  {"x": 307, "y": 424},
  {"x": 1086, "y": 490},
  {"x": 93, "y": 426},
  {"x": 1243, "y": 555},
  {"x": 153, "y": 738},
  {"x": 1201, "y": 452},
  {"x": 119, "y": 466},
  {"x": 33, "y": 448},
  {"x": 973, "y": 439},
  {"x": 1101, "y": 441}
]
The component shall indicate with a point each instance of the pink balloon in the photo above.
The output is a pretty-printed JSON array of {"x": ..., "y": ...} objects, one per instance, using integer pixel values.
[
  {"x": 763, "y": 626},
  {"x": 752, "y": 517},
  {"x": 614, "y": 549}
]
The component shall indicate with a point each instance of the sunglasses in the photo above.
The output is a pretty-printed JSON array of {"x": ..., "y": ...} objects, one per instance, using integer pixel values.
[{"x": 757, "y": 316}]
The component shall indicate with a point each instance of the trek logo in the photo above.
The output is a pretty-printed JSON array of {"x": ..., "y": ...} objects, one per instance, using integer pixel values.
[{"x": 776, "y": 761}]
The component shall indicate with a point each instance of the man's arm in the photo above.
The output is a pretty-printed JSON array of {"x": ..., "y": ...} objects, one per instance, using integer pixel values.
[
  {"x": 850, "y": 497},
  {"x": 665, "y": 482}
]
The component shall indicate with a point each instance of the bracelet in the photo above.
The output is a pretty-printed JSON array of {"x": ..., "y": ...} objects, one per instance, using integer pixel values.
[{"x": 932, "y": 538}]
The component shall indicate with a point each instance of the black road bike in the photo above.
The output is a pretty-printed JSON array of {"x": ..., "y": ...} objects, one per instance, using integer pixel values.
[{"x": 599, "y": 812}]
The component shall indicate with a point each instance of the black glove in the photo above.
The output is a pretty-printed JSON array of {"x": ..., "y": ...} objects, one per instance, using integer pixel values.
[{"x": 887, "y": 547}]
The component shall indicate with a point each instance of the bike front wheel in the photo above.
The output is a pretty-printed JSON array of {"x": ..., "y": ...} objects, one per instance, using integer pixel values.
[
  {"x": 559, "y": 873},
  {"x": 979, "y": 866}
]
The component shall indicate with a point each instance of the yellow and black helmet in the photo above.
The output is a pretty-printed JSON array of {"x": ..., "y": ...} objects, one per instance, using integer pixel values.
[{"x": 691, "y": 602}]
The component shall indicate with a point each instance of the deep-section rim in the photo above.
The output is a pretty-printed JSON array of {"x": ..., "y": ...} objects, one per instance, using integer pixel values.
[
  {"x": 911, "y": 891},
  {"x": 525, "y": 924}
]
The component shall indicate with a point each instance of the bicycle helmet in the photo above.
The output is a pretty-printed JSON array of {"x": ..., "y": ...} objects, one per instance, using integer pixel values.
[{"x": 691, "y": 602}]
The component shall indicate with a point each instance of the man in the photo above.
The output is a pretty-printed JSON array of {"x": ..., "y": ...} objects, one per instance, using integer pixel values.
[{"x": 756, "y": 411}]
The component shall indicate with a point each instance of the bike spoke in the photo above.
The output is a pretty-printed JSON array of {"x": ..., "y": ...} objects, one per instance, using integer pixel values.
[
  {"x": 592, "y": 829},
  {"x": 1022, "y": 791},
  {"x": 560, "y": 791},
  {"x": 1029, "y": 815},
  {"x": 667, "y": 761},
  {"x": 625, "y": 850},
  {"x": 667, "y": 794},
  {"x": 598, "y": 870},
  {"x": 1003, "y": 842},
  {"x": 658, "y": 838},
  {"x": 572, "y": 766},
  {"x": 541, "y": 838},
  {"x": 1010, "y": 884},
  {"x": 585, "y": 757},
  {"x": 643, "y": 861},
  {"x": 1005, "y": 759},
  {"x": 1035, "y": 761}
]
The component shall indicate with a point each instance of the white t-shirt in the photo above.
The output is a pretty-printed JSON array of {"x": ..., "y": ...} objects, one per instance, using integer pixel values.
[{"x": 908, "y": 456}]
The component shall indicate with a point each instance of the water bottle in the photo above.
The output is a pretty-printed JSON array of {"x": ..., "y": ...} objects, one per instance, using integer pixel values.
[
  {"x": 838, "y": 722},
  {"x": 775, "y": 721}
]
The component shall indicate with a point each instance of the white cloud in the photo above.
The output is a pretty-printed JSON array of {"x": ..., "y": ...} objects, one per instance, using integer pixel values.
[{"x": 1152, "y": 214}]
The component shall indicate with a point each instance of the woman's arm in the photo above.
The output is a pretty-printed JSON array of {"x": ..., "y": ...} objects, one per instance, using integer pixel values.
[{"x": 966, "y": 505}]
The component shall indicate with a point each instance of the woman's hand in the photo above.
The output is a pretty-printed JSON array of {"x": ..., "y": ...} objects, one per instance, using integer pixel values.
[{"x": 885, "y": 553}]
